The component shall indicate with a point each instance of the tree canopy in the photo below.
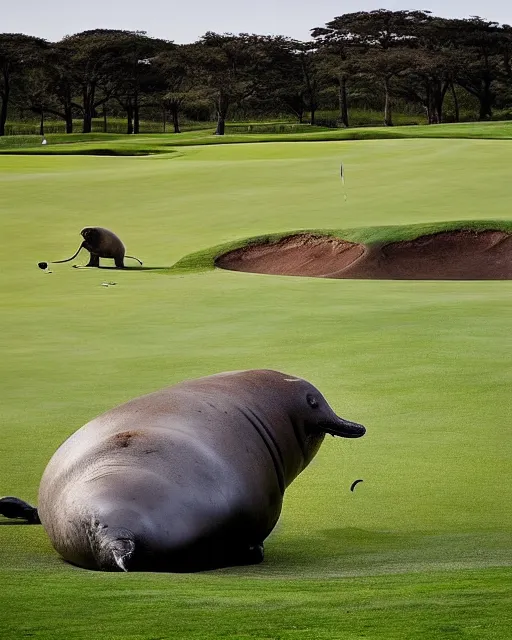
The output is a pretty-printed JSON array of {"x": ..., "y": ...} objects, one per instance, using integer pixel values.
[{"x": 382, "y": 57}]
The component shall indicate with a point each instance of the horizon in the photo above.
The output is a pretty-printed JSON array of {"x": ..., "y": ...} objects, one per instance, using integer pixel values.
[{"x": 53, "y": 22}]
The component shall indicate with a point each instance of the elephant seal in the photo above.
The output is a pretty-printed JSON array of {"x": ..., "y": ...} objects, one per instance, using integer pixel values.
[
  {"x": 188, "y": 478},
  {"x": 101, "y": 243}
]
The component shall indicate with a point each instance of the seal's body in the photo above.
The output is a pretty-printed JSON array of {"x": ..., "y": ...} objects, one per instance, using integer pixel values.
[
  {"x": 103, "y": 243},
  {"x": 190, "y": 477}
]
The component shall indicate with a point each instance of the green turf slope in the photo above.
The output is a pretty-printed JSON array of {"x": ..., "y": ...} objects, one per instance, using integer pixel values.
[
  {"x": 114, "y": 144},
  {"x": 204, "y": 259},
  {"x": 423, "y": 547}
]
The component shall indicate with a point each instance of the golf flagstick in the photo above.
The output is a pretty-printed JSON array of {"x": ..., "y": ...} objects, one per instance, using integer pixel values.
[{"x": 342, "y": 176}]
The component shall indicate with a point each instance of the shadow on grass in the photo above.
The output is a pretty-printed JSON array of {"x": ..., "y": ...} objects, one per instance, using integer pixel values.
[
  {"x": 346, "y": 552},
  {"x": 93, "y": 151},
  {"x": 106, "y": 268},
  {"x": 142, "y": 268}
]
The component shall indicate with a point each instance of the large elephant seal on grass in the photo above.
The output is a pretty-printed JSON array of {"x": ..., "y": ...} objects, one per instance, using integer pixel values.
[{"x": 190, "y": 477}]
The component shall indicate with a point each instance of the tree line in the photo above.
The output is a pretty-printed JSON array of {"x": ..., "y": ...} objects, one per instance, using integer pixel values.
[{"x": 410, "y": 56}]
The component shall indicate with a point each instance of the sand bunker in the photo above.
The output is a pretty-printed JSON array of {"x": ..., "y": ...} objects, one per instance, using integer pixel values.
[
  {"x": 297, "y": 255},
  {"x": 449, "y": 255}
]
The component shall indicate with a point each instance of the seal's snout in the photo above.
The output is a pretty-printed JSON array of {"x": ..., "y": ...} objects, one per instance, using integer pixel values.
[{"x": 344, "y": 428}]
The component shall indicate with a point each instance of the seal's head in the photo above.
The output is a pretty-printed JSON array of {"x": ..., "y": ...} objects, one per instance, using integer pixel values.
[
  {"x": 316, "y": 416},
  {"x": 313, "y": 418},
  {"x": 90, "y": 234}
]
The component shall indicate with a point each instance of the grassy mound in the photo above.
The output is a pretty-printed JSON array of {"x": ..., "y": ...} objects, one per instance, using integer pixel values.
[
  {"x": 204, "y": 259},
  {"x": 148, "y": 144}
]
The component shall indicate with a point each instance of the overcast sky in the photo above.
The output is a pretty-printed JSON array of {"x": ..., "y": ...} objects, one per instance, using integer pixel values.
[{"x": 187, "y": 21}]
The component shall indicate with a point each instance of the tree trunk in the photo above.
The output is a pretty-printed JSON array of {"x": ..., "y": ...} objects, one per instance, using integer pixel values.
[
  {"x": 455, "y": 103},
  {"x": 437, "y": 97},
  {"x": 3, "y": 116},
  {"x": 129, "y": 114},
  {"x": 388, "y": 119},
  {"x": 68, "y": 117},
  {"x": 164, "y": 114},
  {"x": 175, "y": 118},
  {"x": 486, "y": 100},
  {"x": 105, "y": 126},
  {"x": 312, "y": 119},
  {"x": 428, "y": 102},
  {"x": 136, "y": 120},
  {"x": 439, "y": 101},
  {"x": 87, "y": 126},
  {"x": 222, "y": 112},
  {"x": 88, "y": 94},
  {"x": 343, "y": 101},
  {"x": 41, "y": 124},
  {"x": 5, "y": 101},
  {"x": 485, "y": 111},
  {"x": 221, "y": 125},
  {"x": 485, "y": 108}
]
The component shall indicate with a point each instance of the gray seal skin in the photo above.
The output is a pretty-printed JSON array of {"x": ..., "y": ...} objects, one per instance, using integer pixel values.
[{"x": 188, "y": 478}]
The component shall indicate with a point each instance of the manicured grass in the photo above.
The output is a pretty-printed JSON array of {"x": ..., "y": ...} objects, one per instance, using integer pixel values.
[
  {"x": 422, "y": 548},
  {"x": 118, "y": 144}
]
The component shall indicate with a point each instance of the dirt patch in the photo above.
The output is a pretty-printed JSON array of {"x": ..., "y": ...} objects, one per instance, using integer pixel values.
[
  {"x": 450, "y": 255},
  {"x": 125, "y": 438}
]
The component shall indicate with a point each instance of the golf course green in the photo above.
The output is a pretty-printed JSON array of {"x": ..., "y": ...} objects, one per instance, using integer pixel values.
[{"x": 421, "y": 549}]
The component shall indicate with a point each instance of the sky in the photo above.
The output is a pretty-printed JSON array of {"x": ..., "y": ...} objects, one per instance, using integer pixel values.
[{"x": 184, "y": 22}]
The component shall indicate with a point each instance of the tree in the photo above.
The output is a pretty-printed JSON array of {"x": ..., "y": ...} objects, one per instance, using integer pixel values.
[
  {"x": 93, "y": 67},
  {"x": 383, "y": 66},
  {"x": 373, "y": 36},
  {"x": 434, "y": 65},
  {"x": 431, "y": 74},
  {"x": 18, "y": 53},
  {"x": 282, "y": 77},
  {"x": 280, "y": 82},
  {"x": 229, "y": 67},
  {"x": 48, "y": 86},
  {"x": 135, "y": 71},
  {"x": 308, "y": 57},
  {"x": 480, "y": 46},
  {"x": 339, "y": 63},
  {"x": 177, "y": 81},
  {"x": 342, "y": 51}
]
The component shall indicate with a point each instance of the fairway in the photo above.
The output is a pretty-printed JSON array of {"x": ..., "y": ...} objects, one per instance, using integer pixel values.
[{"x": 423, "y": 547}]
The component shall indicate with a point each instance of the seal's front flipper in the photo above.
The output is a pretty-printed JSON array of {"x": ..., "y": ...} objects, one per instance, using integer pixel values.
[
  {"x": 255, "y": 554},
  {"x": 94, "y": 261},
  {"x": 249, "y": 555},
  {"x": 15, "y": 508},
  {"x": 113, "y": 547}
]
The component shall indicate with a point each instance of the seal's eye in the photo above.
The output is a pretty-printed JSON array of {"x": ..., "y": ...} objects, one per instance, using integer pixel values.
[{"x": 312, "y": 401}]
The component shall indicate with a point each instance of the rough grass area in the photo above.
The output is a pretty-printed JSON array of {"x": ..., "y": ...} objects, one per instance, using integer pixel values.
[
  {"x": 422, "y": 548},
  {"x": 117, "y": 144}
]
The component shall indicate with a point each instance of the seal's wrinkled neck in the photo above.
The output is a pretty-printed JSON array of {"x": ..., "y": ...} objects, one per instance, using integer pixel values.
[{"x": 265, "y": 431}]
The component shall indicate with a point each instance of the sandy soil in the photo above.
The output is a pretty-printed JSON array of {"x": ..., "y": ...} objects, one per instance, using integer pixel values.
[{"x": 453, "y": 255}]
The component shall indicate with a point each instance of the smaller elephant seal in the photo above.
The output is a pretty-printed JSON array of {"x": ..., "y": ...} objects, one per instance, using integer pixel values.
[
  {"x": 101, "y": 243},
  {"x": 15, "y": 508},
  {"x": 188, "y": 478}
]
